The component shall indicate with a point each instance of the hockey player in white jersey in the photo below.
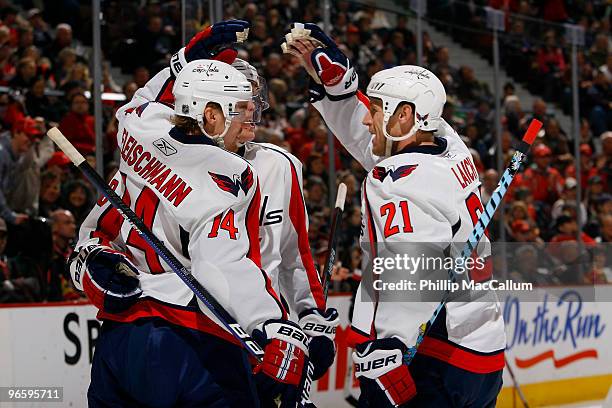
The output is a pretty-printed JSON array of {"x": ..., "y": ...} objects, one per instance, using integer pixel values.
[
  {"x": 285, "y": 251},
  {"x": 465, "y": 345},
  {"x": 158, "y": 346},
  {"x": 283, "y": 224}
]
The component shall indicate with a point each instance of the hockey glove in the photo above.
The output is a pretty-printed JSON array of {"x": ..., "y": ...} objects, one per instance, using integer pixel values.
[
  {"x": 285, "y": 356},
  {"x": 332, "y": 67},
  {"x": 285, "y": 351},
  {"x": 214, "y": 42},
  {"x": 110, "y": 280},
  {"x": 384, "y": 379},
  {"x": 321, "y": 328}
]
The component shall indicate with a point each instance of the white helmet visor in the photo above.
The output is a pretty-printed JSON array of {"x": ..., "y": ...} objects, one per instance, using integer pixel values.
[
  {"x": 260, "y": 99},
  {"x": 242, "y": 112}
]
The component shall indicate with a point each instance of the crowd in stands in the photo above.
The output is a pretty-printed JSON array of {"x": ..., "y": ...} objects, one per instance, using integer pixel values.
[{"x": 45, "y": 74}]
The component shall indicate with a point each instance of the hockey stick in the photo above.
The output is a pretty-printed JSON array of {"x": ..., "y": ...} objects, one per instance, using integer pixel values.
[
  {"x": 482, "y": 223},
  {"x": 228, "y": 321},
  {"x": 348, "y": 383},
  {"x": 330, "y": 260},
  {"x": 516, "y": 384}
]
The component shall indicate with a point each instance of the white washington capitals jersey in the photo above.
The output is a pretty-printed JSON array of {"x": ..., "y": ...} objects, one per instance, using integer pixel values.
[
  {"x": 283, "y": 220},
  {"x": 402, "y": 213},
  {"x": 285, "y": 250},
  {"x": 475, "y": 326},
  {"x": 202, "y": 202}
]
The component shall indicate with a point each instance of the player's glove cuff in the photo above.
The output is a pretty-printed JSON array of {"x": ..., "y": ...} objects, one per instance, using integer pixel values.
[
  {"x": 177, "y": 62},
  {"x": 385, "y": 380},
  {"x": 315, "y": 322},
  {"x": 316, "y": 92},
  {"x": 320, "y": 326},
  {"x": 335, "y": 72}
]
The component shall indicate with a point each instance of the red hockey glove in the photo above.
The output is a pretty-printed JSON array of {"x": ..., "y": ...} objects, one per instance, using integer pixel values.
[
  {"x": 285, "y": 351},
  {"x": 384, "y": 379}
]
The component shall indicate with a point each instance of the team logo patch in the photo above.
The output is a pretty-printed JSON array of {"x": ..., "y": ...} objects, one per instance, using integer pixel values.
[
  {"x": 138, "y": 109},
  {"x": 233, "y": 185},
  {"x": 419, "y": 74},
  {"x": 380, "y": 173},
  {"x": 421, "y": 118},
  {"x": 209, "y": 69},
  {"x": 165, "y": 147}
]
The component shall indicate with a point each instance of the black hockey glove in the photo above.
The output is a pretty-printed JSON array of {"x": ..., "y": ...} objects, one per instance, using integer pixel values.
[
  {"x": 320, "y": 326},
  {"x": 109, "y": 278},
  {"x": 331, "y": 67}
]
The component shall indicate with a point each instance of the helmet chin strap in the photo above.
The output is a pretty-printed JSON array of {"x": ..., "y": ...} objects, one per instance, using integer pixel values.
[
  {"x": 391, "y": 139},
  {"x": 219, "y": 138}
]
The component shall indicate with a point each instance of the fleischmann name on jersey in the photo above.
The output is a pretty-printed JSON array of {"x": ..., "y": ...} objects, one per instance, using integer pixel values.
[{"x": 153, "y": 171}]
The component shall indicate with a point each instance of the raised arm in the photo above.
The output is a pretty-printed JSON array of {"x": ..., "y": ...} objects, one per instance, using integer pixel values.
[
  {"x": 214, "y": 42},
  {"x": 333, "y": 89}
]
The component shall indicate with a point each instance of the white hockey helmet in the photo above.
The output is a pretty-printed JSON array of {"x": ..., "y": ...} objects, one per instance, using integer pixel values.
[
  {"x": 413, "y": 84},
  {"x": 247, "y": 69},
  {"x": 203, "y": 81},
  {"x": 260, "y": 87}
]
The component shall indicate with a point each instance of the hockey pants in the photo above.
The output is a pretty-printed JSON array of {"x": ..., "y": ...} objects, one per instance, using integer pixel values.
[{"x": 152, "y": 363}]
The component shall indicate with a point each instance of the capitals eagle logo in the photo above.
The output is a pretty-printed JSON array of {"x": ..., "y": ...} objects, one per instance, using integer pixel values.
[
  {"x": 233, "y": 185},
  {"x": 380, "y": 173}
]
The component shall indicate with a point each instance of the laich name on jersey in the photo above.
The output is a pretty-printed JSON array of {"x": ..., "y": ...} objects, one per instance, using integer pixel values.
[{"x": 465, "y": 172}]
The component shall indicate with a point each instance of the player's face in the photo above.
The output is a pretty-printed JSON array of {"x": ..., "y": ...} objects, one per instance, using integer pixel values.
[
  {"x": 242, "y": 129},
  {"x": 373, "y": 119}
]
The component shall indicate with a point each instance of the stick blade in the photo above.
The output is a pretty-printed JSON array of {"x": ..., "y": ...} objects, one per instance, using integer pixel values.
[{"x": 532, "y": 131}]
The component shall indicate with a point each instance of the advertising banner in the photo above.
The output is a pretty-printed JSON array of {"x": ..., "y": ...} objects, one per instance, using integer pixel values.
[{"x": 558, "y": 348}]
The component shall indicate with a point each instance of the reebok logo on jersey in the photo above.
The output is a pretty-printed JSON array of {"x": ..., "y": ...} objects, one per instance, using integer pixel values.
[
  {"x": 380, "y": 173},
  {"x": 233, "y": 186},
  {"x": 165, "y": 147}
]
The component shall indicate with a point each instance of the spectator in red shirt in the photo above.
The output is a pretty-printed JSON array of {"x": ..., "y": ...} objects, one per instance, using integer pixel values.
[
  {"x": 78, "y": 124},
  {"x": 551, "y": 65},
  {"x": 550, "y": 57},
  {"x": 544, "y": 181}
]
